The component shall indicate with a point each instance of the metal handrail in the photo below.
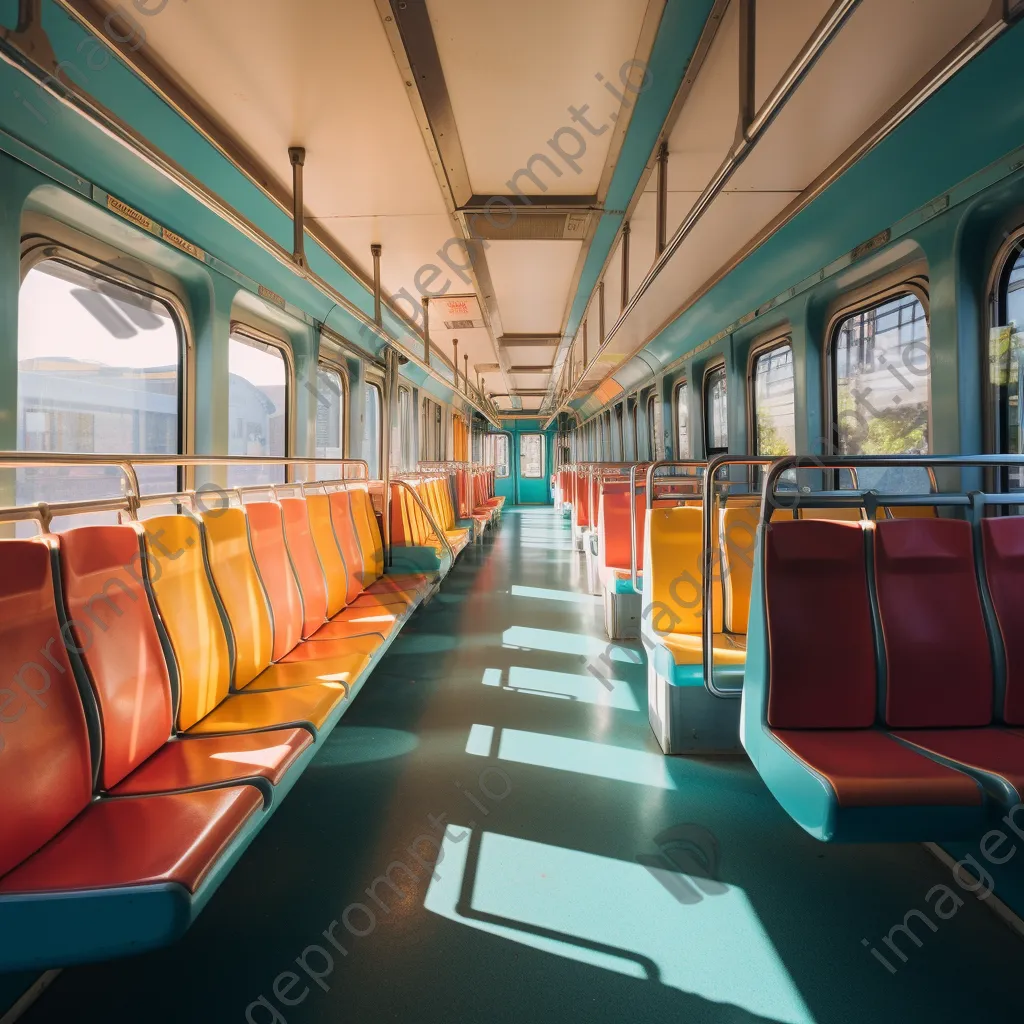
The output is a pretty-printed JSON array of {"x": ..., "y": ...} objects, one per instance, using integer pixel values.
[
  {"x": 929, "y": 462},
  {"x": 438, "y": 532},
  {"x": 684, "y": 464},
  {"x": 707, "y": 569},
  {"x": 634, "y": 567}
]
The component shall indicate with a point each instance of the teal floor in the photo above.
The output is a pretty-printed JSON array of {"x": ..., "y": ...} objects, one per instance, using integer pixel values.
[{"x": 583, "y": 876}]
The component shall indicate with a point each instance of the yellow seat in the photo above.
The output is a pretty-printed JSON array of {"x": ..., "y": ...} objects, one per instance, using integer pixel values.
[
  {"x": 738, "y": 531},
  {"x": 688, "y": 649},
  {"x": 190, "y": 615}
]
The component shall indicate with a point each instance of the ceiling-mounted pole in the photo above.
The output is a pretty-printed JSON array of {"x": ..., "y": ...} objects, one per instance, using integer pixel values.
[
  {"x": 375, "y": 249},
  {"x": 390, "y": 389},
  {"x": 465, "y": 372},
  {"x": 748, "y": 65},
  {"x": 600, "y": 315},
  {"x": 455, "y": 345},
  {"x": 625, "y": 264},
  {"x": 662, "y": 214},
  {"x": 584, "y": 342},
  {"x": 426, "y": 329},
  {"x": 297, "y": 155}
]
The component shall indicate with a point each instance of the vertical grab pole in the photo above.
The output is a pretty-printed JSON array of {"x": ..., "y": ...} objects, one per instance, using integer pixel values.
[
  {"x": 297, "y": 156},
  {"x": 390, "y": 373},
  {"x": 375, "y": 251}
]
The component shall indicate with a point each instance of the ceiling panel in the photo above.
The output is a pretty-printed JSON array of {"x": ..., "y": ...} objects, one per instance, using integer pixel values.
[
  {"x": 512, "y": 74},
  {"x": 531, "y": 281},
  {"x": 844, "y": 94}
]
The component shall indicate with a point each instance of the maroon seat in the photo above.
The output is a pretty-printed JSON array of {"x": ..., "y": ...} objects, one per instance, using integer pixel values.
[{"x": 940, "y": 688}]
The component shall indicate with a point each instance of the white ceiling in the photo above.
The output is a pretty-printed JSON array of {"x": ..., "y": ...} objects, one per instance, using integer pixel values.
[
  {"x": 531, "y": 280},
  {"x": 512, "y": 72}
]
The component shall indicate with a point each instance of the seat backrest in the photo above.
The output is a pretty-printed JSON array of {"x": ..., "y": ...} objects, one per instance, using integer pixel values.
[
  {"x": 266, "y": 534},
  {"x": 673, "y": 572},
  {"x": 938, "y": 661},
  {"x": 583, "y": 509},
  {"x": 822, "y": 672},
  {"x": 112, "y": 623},
  {"x": 190, "y": 613},
  {"x": 335, "y": 574},
  {"x": 613, "y": 527},
  {"x": 368, "y": 532},
  {"x": 348, "y": 544},
  {"x": 1003, "y": 546},
  {"x": 45, "y": 757},
  {"x": 738, "y": 537},
  {"x": 241, "y": 591},
  {"x": 308, "y": 570}
]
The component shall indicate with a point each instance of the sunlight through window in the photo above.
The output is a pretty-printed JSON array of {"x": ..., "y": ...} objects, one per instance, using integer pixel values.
[{"x": 617, "y": 915}]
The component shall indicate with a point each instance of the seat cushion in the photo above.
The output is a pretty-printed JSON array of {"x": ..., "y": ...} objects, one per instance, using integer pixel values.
[
  {"x": 996, "y": 755},
  {"x": 868, "y": 768},
  {"x": 212, "y": 760},
  {"x": 173, "y": 838},
  {"x": 344, "y": 667},
  {"x": 328, "y": 650},
  {"x": 309, "y": 707},
  {"x": 360, "y": 622}
]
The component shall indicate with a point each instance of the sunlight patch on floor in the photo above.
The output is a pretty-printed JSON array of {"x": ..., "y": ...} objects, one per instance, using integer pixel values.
[
  {"x": 618, "y": 916},
  {"x": 559, "y": 642},
  {"x": 582, "y": 757},
  {"x": 582, "y": 687},
  {"x": 540, "y": 593}
]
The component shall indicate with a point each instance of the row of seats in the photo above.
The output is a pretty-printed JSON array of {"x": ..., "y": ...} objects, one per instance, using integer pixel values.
[
  {"x": 170, "y": 681},
  {"x": 884, "y": 692}
]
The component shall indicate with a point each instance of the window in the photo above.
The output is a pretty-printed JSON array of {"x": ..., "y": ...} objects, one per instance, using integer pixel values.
[
  {"x": 501, "y": 455},
  {"x": 430, "y": 432},
  {"x": 716, "y": 413},
  {"x": 372, "y": 437},
  {"x": 635, "y": 417},
  {"x": 773, "y": 396},
  {"x": 531, "y": 456},
  {"x": 100, "y": 369},
  {"x": 621, "y": 434},
  {"x": 683, "y": 421},
  {"x": 257, "y": 408},
  {"x": 330, "y": 420},
  {"x": 1006, "y": 352},
  {"x": 402, "y": 454},
  {"x": 652, "y": 431},
  {"x": 881, "y": 373}
]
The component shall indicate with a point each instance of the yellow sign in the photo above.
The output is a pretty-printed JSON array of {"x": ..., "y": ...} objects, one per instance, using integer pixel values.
[
  {"x": 183, "y": 244},
  {"x": 266, "y": 293},
  {"x": 129, "y": 213}
]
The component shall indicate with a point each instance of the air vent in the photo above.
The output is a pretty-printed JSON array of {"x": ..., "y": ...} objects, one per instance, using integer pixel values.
[{"x": 501, "y": 225}]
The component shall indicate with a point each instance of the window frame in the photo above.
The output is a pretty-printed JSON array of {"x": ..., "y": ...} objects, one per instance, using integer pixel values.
[
  {"x": 761, "y": 348},
  {"x": 543, "y": 455},
  {"x": 334, "y": 367},
  {"x": 872, "y": 295},
  {"x": 709, "y": 370},
  {"x": 620, "y": 415},
  {"x": 650, "y": 404},
  {"x": 503, "y": 435},
  {"x": 680, "y": 455},
  {"x": 83, "y": 256},
  {"x": 376, "y": 381},
  {"x": 994, "y": 433},
  {"x": 261, "y": 337}
]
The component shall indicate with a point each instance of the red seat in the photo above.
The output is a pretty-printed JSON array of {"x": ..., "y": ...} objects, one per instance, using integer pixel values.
[
  {"x": 112, "y": 624},
  {"x": 1003, "y": 547},
  {"x": 176, "y": 838},
  {"x": 868, "y": 768}
]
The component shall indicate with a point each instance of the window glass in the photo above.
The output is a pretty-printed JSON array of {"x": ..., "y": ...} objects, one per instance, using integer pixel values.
[
  {"x": 330, "y": 420},
  {"x": 635, "y": 419},
  {"x": 620, "y": 433},
  {"x": 774, "y": 411},
  {"x": 531, "y": 456},
  {"x": 683, "y": 421},
  {"x": 372, "y": 403},
  {"x": 257, "y": 408},
  {"x": 652, "y": 432},
  {"x": 716, "y": 412},
  {"x": 99, "y": 371},
  {"x": 401, "y": 432},
  {"x": 881, "y": 369},
  {"x": 501, "y": 455}
]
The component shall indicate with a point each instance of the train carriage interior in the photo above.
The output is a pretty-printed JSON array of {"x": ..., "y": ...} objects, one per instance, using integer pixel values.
[{"x": 510, "y": 511}]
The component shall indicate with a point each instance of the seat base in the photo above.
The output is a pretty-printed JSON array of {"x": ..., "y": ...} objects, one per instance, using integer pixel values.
[{"x": 690, "y": 720}]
